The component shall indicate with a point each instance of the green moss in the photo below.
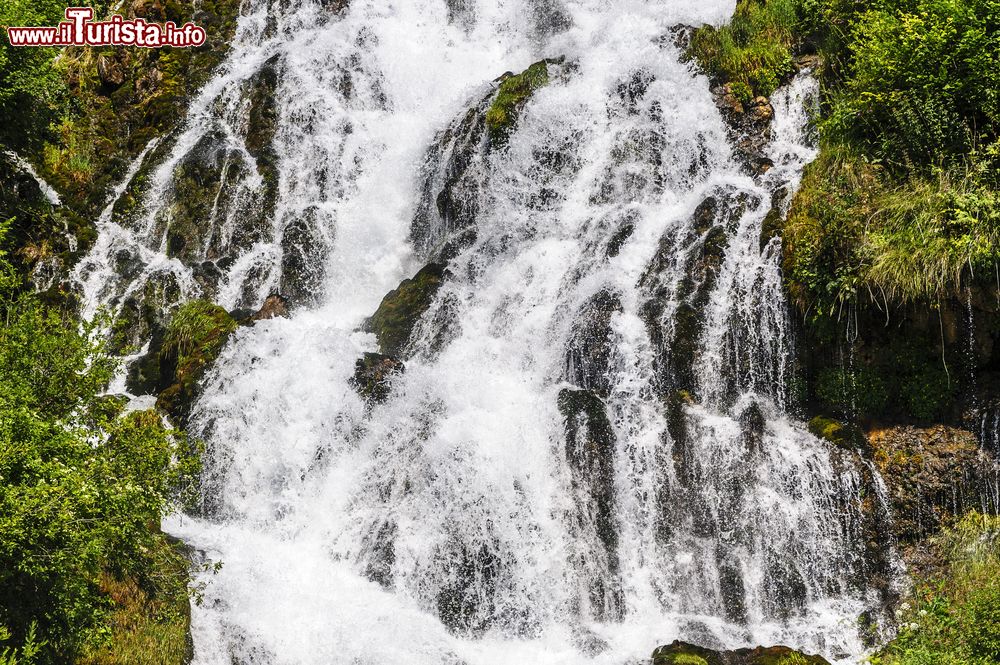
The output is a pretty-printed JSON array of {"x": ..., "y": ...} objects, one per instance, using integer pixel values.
[
  {"x": 401, "y": 308},
  {"x": 753, "y": 52},
  {"x": 688, "y": 659},
  {"x": 195, "y": 336},
  {"x": 513, "y": 93},
  {"x": 836, "y": 432}
]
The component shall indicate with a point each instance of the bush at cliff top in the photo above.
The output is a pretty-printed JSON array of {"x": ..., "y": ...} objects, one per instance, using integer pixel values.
[{"x": 921, "y": 83}]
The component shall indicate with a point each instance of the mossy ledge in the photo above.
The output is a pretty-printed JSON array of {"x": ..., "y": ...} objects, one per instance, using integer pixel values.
[
  {"x": 194, "y": 338},
  {"x": 683, "y": 653},
  {"x": 512, "y": 94}
]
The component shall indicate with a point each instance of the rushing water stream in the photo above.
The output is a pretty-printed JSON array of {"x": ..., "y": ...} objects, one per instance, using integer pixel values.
[{"x": 617, "y": 250}]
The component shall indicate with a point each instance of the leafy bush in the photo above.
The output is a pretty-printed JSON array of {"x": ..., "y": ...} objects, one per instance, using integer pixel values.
[
  {"x": 82, "y": 483},
  {"x": 954, "y": 616},
  {"x": 922, "y": 84}
]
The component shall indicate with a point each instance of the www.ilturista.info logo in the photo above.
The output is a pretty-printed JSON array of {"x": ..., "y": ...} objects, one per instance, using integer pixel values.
[{"x": 78, "y": 30}]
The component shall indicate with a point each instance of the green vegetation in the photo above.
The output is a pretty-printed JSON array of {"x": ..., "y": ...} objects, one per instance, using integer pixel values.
[
  {"x": 901, "y": 206},
  {"x": 953, "y": 617},
  {"x": 83, "y": 485},
  {"x": 753, "y": 53},
  {"x": 194, "y": 338},
  {"x": 513, "y": 93}
]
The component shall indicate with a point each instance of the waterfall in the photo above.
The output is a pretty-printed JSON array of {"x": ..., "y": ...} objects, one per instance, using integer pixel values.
[{"x": 592, "y": 449}]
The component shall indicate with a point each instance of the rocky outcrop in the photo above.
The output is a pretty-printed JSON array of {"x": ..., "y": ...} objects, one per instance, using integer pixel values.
[
  {"x": 513, "y": 93},
  {"x": 591, "y": 344},
  {"x": 274, "y": 306},
  {"x": 933, "y": 475},
  {"x": 179, "y": 357},
  {"x": 682, "y": 653},
  {"x": 373, "y": 375},
  {"x": 396, "y": 316}
]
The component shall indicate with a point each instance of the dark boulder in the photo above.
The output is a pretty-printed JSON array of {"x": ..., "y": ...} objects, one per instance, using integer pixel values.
[
  {"x": 590, "y": 452},
  {"x": 590, "y": 348}
]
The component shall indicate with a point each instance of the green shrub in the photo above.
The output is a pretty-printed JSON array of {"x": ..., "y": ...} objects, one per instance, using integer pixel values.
[
  {"x": 83, "y": 485},
  {"x": 953, "y": 617}
]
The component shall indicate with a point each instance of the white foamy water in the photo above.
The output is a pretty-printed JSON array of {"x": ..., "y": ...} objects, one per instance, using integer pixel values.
[{"x": 453, "y": 523}]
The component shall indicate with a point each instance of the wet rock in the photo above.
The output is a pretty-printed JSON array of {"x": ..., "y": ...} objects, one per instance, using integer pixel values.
[
  {"x": 513, "y": 93},
  {"x": 402, "y": 307},
  {"x": 761, "y": 110},
  {"x": 749, "y": 123},
  {"x": 619, "y": 239},
  {"x": 465, "y": 602},
  {"x": 591, "y": 344},
  {"x": 753, "y": 423},
  {"x": 682, "y": 653},
  {"x": 933, "y": 475},
  {"x": 373, "y": 375},
  {"x": 274, "y": 306},
  {"x": 303, "y": 248},
  {"x": 590, "y": 450},
  {"x": 450, "y": 199}
]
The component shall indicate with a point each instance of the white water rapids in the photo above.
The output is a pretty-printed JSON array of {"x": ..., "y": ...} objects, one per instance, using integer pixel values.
[{"x": 448, "y": 524}]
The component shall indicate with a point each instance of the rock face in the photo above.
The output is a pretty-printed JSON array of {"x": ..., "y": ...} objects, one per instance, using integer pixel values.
[
  {"x": 933, "y": 475},
  {"x": 273, "y": 307},
  {"x": 682, "y": 653},
  {"x": 402, "y": 307},
  {"x": 590, "y": 450},
  {"x": 178, "y": 359}
]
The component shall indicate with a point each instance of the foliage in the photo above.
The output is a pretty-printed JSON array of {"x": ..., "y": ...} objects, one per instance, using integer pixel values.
[
  {"x": 856, "y": 230},
  {"x": 195, "y": 336},
  {"x": 754, "y": 51},
  {"x": 31, "y": 89},
  {"x": 81, "y": 481},
  {"x": 954, "y": 616},
  {"x": 922, "y": 83}
]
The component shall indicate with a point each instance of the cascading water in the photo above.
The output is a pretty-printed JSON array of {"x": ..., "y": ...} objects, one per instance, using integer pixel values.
[{"x": 589, "y": 452}]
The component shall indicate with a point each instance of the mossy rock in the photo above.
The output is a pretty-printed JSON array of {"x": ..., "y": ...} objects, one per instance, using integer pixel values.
[
  {"x": 395, "y": 318},
  {"x": 512, "y": 95},
  {"x": 194, "y": 338},
  {"x": 373, "y": 375},
  {"x": 683, "y": 653},
  {"x": 839, "y": 434}
]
